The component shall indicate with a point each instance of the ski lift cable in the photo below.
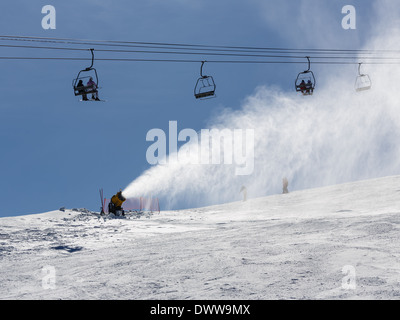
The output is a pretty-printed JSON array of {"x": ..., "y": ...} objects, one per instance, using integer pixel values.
[
  {"x": 197, "y": 61},
  {"x": 185, "y": 45},
  {"x": 196, "y": 53},
  {"x": 190, "y": 45},
  {"x": 154, "y": 46},
  {"x": 272, "y": 50}
]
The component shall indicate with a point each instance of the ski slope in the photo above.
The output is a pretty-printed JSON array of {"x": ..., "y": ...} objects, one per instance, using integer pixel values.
[{"x": 291, "y": 246}]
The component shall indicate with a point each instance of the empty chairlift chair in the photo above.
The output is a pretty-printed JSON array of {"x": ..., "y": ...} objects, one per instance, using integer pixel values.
[
  {"x": 205, "y": 86},
  {"x": 363, "y": 81}
]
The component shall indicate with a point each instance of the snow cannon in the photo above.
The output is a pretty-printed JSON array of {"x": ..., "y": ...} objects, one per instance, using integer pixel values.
[{"x": 115, "y": 205}]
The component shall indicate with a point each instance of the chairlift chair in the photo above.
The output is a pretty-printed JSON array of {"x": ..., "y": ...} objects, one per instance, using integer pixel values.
[
  {"x": 84, "y": 75},
  {"x": 363, "y": 81},
  {"x": 307, "y": 87},
  {"x": 205, "y": 86}
]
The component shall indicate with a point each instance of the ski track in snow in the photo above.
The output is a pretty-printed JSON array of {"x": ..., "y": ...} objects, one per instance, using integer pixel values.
[{"x": 290, "y": 246}]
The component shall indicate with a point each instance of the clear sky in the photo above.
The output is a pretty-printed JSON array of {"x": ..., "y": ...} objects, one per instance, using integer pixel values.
[{"x": 57, "y": 151}]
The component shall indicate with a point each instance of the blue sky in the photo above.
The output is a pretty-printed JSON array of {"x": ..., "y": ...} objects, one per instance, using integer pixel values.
[{"x": 56, "y": 151}]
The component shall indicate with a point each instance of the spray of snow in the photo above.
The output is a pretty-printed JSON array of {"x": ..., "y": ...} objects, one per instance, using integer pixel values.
[{"x": 335, "y": 136}]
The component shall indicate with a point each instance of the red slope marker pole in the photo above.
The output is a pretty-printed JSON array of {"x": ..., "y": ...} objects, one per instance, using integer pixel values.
[{"x": 101, "y": 199}]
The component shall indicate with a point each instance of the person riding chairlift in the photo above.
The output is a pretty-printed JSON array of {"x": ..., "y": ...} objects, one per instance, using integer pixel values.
[
  {"x": 93, "y": 85},
  {"x": 81, "y": 89},
  {"x": 303, "y": 87},
  {"x": 309, "y": 87}
]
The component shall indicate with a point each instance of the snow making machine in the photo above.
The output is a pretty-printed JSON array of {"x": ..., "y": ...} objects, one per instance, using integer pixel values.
[{"x": 115, "y": 205}]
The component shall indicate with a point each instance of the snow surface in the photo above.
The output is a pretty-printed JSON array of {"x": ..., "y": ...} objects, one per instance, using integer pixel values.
[{"x": 291, "y": 246}]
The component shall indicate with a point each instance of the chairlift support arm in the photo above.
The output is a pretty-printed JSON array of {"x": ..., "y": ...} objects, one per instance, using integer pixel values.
[
  {"x": 201, "y": 69},
  {"x": 359, "y": 69},
  {"x": 91, "y": 66},
  {"x": 309, "y": 64}
]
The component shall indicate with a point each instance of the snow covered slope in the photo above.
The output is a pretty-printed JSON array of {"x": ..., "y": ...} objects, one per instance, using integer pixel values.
[{"x": 292, "y": 246}]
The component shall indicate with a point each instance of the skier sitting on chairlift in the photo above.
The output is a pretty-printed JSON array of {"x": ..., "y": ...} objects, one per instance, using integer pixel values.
[
  {"x": 309, "y": 87},
  {"x": 82, "y": 90},
  {"x": 303, "y": 86},
  {"x": 92, "y": 84}
]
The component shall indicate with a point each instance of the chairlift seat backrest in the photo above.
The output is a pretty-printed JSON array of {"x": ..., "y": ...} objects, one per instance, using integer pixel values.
[
  {"x": 80, "y": 90},
  {"x": 205, "y": 87},
  {"x": 363, "y": 83}
]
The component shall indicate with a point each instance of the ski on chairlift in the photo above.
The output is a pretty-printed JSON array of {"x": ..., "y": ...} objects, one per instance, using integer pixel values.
[
  {"x": 205, "y": 86},
  {"x": 86, "y": 84},
  {"x": 363, "y": 81},
  {"x": 92, "y": 100},
  {"x": 305, "y": 81}
]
